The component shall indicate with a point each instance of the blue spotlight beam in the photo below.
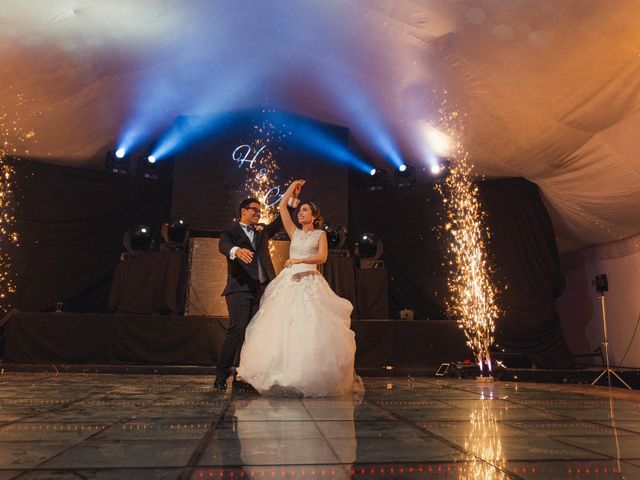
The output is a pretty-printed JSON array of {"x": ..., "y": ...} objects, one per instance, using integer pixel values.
[
  {"x": 369, "y": 121},
  {"x": 365, "y": 116},
  {"x": 185, "y": 131},
  {"x": 308, "y": 136}
]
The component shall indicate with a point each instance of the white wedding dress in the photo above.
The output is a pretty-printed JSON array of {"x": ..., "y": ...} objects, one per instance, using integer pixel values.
[{"x": 300, "y": 341}]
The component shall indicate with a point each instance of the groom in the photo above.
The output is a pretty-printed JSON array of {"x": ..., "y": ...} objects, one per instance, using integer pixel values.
[{"x": 249, "y": 270}]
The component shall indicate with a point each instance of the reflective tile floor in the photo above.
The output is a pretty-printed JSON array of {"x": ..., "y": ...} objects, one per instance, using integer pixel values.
[{"x": 99, "y": 426}]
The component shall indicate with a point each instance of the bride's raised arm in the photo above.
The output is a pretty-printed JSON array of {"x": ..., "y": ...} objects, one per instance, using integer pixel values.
[{"x": 292, "y": 191}]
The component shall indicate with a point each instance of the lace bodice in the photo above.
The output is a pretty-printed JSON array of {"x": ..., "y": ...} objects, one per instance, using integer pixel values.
[{"x": 304, "y": 244}]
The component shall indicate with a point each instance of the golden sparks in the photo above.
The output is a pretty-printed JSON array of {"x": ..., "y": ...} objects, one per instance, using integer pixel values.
[
  {"x": 7, "y": 235},
  {"x": 261, "y": 183},
  {"x": 472, "y": 291},
  {"x": 262, "y": 179},
  {"x": 11, "y": 136}
]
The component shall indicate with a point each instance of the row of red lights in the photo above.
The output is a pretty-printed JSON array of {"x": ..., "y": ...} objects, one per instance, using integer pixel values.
[{"x": 377, "y": 471}]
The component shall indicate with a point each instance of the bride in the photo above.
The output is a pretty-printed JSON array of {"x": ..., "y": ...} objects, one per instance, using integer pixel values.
[{"x": 299, "y": 342}]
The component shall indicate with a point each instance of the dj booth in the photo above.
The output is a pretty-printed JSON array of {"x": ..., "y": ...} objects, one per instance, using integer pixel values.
[
  {"x": 172, "y": 282},
  {"x": 167, "y": 310}
]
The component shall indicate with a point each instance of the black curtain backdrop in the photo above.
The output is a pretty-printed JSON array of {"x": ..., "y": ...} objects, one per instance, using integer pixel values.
[
  {"x": 407, "y": 219},
  {"x": 525, "y": 252},
  {"x": 45, "y": 338},
  {"x": 522, "y": 247},
  {"x": 71, "y": 223}
]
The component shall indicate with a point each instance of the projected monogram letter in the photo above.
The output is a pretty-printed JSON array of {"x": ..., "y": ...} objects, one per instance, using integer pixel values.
[
  {"x": 241, "y": 155},
  {"x": 275, "y": 193}
]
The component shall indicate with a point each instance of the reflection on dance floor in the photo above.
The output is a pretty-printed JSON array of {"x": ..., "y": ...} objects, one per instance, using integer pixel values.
[{"x": 178, "y": 427}]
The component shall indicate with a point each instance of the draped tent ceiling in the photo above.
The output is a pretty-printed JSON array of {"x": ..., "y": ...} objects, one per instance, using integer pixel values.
[{"x": 549, "y": 90}]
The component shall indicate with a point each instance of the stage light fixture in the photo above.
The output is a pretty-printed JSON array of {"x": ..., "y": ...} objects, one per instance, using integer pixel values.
[
  {"x": 141, "y": 238},
  {"x": 147, "y": 167},
  {"x": 177, "y": 231},
  {"x": 369, "y": 249},
  {"x": 377, "y": 179},
  {"x": 117, "y": 162},
  {"x": 138, "y": 240},
  {"x": 405, "y": 175},
  {"x": 176, "y": 234},
  {"x": 336, "y": 238}
]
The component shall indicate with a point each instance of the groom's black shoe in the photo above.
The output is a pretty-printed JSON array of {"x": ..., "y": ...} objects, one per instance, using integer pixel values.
[{"x": 220, "y": 383}]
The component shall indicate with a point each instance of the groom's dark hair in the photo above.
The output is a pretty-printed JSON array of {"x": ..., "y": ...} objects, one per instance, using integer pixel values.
[{"x": 245, "y": 204}]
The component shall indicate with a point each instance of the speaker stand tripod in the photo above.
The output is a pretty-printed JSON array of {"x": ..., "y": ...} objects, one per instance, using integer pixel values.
[{"x": 609, "y": 371}]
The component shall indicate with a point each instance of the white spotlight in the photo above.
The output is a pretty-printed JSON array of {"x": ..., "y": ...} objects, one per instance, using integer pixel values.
[
  {"x": 151, "y": 159},
  {"x": 120, "y": 152},
  {"x": 440, "y": 143},
  {"x": 373, "y": 171},
  {"x": 402, "y": 168},
  {"x": 436, "y": 169}
]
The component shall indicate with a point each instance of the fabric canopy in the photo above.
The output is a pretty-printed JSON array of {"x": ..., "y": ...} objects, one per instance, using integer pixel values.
[{"x": 549, "y": 90}]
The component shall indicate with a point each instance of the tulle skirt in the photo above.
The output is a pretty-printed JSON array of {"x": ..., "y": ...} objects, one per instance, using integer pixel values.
[{"x": 300, "y": 342}]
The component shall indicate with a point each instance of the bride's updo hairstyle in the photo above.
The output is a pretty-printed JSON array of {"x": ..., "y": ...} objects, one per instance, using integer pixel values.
[{"x": 318, "y": 221}]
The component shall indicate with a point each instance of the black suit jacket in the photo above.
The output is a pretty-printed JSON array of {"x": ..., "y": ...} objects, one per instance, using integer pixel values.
[{"x": 242, "y": 277}]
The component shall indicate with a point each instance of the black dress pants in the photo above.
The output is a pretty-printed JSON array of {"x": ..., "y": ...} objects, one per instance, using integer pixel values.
[{"x": 242, "y": 307}]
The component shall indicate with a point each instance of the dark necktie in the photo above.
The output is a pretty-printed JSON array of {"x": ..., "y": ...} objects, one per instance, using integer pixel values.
[
  {"x": 254, "y": 232},
  {"x": 262, "y": 276}
]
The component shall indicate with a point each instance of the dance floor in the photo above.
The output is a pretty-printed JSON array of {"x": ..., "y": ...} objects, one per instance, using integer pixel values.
[{"x": 100, "y": 426}]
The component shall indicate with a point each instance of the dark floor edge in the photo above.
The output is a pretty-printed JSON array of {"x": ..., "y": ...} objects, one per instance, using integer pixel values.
[
  {"x": 112, "y": 369},
  {"x": 574, "y": 376}
]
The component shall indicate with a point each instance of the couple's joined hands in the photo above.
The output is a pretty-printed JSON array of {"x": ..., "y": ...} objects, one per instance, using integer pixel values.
[
  {"x": 295, "y": 187},
  {"x": 244, "y": 254}
]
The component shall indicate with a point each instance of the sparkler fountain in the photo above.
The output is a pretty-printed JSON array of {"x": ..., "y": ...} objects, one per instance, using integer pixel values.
[{"x": 472, "y": 291}]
